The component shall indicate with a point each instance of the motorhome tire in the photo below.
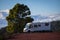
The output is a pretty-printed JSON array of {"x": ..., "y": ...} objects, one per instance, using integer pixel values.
[{"x": 28, "y": 30}]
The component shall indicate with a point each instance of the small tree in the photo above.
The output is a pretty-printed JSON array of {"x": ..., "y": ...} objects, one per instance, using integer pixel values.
[{"x": 18, "y": 17}]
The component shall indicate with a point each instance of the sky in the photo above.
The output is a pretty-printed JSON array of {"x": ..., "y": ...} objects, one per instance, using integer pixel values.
[{"x": 37, "y": 7}]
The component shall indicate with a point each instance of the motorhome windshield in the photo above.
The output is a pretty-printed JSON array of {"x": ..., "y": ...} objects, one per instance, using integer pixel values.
[{"x": 27, "y": 25}]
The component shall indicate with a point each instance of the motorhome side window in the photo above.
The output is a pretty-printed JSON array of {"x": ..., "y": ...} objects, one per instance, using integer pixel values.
[
  {"x": 35, "y": 25},
  {"x": 46, "y": 24},
  {"x": 39, "y": 25}
]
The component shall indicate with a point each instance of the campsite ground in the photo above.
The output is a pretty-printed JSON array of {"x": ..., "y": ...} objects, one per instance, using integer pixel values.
[{"x": 36, "y": 36}]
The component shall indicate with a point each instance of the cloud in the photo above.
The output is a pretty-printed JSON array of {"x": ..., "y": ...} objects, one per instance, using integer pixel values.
[
  {"x": 55, "y": 17},
  {"x": 49, "y": 18},
  {"x": 1, "y": 13},
  {"x": 1, "y": 16},
  {"x": 7, "y": 11}
]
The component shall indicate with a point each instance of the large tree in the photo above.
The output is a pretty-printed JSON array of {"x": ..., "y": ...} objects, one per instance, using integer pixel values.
[{"x": 18, "y": 17}]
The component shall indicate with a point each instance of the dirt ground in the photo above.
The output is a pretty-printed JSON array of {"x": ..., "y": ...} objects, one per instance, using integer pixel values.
[{"x": 36, "y": 36}]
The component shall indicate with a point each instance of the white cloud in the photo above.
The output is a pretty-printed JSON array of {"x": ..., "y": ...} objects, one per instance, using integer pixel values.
[
  {"x": 49, "y": 18},
  {"x": 1, "y": 16},
  {"x": 54, "y": 17},
  {"x": 7, "y": 11}
]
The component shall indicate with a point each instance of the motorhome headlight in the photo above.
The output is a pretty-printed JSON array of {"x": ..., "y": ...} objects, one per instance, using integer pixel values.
[{"x": 25, "y": 30}]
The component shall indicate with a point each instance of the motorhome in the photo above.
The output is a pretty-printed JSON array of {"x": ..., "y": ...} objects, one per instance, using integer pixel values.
[{"x": 37, "y": 26}]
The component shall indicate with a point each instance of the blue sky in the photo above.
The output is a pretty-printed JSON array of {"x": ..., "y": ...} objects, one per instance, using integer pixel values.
[{"x": 37, "y": 7}]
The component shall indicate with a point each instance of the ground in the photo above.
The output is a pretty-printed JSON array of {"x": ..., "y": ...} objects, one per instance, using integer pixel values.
[{"x": 36, "y": 36}]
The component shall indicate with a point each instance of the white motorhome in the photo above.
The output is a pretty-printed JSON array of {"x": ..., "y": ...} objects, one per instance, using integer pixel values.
[{"x": 37, "y": 26}]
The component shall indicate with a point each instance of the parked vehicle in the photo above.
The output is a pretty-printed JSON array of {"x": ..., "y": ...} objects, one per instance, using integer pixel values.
[{"x": 37, "y": 26}]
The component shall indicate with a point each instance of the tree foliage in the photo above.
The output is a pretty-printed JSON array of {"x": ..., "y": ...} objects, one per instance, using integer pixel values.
[{"x": 18, "y": 17}]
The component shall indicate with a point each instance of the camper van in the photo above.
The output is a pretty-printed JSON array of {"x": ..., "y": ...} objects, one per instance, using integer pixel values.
[{"x": 37, "y": 26}]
